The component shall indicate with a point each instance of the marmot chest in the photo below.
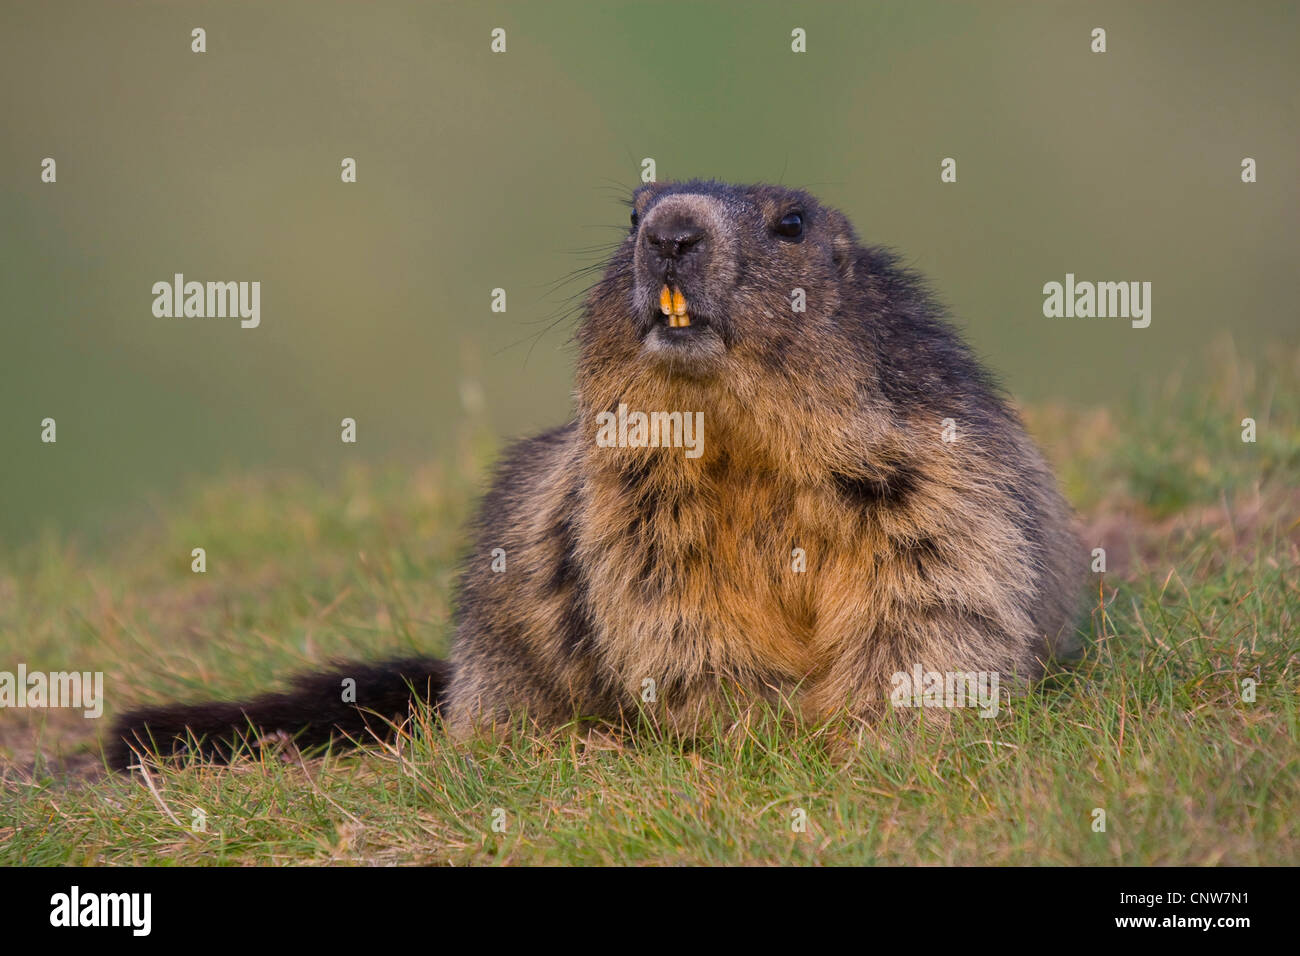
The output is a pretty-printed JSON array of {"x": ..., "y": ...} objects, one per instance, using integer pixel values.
[{"x": 704, "y": 579}]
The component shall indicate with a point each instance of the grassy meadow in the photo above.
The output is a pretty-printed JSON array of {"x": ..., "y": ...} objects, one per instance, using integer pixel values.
[{"x": 1202, "y": 534}]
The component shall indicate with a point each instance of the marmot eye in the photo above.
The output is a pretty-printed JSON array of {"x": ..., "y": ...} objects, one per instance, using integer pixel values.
[
  {"x": 636, "y": 219},
  {"x": 790, "y": 226}
]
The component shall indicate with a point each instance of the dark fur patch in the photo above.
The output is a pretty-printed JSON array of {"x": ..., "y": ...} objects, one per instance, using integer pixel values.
[
  {"x": 567, "y": 570},
  {"x": 888, "y": 487},
  {"x": 924, "y": 555},
  {"x": 575, "y": 627},
  {"x": 635, "y": 477}
]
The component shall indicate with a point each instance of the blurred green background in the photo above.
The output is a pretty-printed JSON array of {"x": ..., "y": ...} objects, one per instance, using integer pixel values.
[{"x": 479, "y": 170}]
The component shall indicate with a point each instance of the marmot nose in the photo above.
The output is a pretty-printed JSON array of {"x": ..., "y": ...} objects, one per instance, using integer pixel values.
[{"x": 673, "y": 239}]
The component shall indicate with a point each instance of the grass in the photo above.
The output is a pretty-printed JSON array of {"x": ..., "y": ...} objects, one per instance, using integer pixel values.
[{"x": 1200, "y": 593}]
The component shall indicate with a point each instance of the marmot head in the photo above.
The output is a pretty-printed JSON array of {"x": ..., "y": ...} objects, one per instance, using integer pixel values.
[{"x": 719, "y": 280}]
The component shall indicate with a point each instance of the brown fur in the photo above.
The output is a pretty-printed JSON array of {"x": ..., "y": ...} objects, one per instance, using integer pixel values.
[{"x": 822, "y": 432}]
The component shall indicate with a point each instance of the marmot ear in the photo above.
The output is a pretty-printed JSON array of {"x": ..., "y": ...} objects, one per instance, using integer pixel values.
[{"x": 844, "y": 244}]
